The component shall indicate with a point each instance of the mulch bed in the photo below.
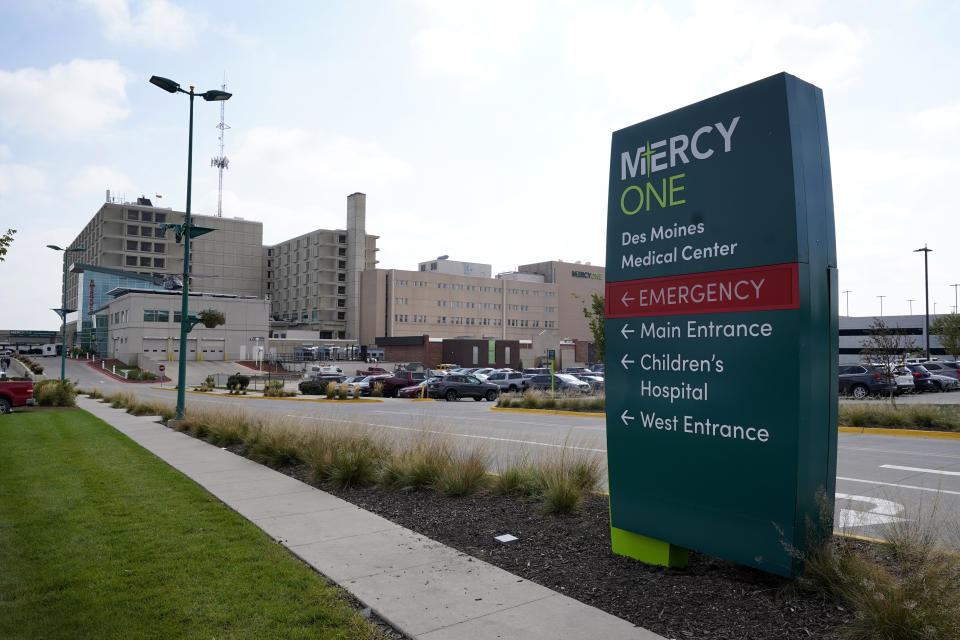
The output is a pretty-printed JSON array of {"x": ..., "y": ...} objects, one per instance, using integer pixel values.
[{"x": 711, "y": 599}]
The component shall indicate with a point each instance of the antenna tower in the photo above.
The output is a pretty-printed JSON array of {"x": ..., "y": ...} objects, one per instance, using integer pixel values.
[{"x": 221, "y": 162}]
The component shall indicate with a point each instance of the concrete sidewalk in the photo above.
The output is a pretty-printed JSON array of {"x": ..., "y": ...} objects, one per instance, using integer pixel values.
[{"x": 423, "y": 588}]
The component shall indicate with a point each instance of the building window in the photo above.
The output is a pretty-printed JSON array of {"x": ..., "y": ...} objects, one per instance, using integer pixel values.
[
  {"x": 341, "y": 315},
  {"x": 159, "y": 263},
  {"x": 131, "y": 245},
  {"x": 158, "y": 233},
  {"x": 341, "y": 251},
  {"x": 341, "y": 264},
  {"x": 132, "y": 230},
  {"x": 156, "y": 315},
  {"x": 146, "y": 246},
  {"x": 341, "y": 290},
  {"x": 146, "y": 231},
  {"x": 341, "y": 239},
  {"x": 341, "y": 277},
  {"x": 132, "y": 215},
  {"x": 131, "y": 261},
  {"x": 341, "y": 302},
  {"x": 160, "y": 217},
  {"x": 159, "y": 247},
  {"x": 146, "y": 216}
]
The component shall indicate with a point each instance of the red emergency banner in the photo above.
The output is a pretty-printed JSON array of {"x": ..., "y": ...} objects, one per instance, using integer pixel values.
[{"x": 754, "y": 289}]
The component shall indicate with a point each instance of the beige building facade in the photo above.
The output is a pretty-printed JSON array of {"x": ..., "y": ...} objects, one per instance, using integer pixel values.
[
  {"x": 540, "y": 305},
  {"x": 144, "y": 327},
  {"x": 127, "y": 236}
]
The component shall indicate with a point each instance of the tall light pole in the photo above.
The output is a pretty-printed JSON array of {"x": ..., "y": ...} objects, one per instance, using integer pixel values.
[
  {"x": 926, "y": 295},
  {"x": 847, "y": 293},
  {"x": 186, "y": 231},
  {"x": 956, "y": 309},
  {"x": 881, "y": 305},
  {"x": 63, "y": 310},
  {"x": 910, "y": 301}
]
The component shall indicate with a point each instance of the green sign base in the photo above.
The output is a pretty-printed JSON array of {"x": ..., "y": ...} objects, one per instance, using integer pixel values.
[{"x": 649, "y": 550}]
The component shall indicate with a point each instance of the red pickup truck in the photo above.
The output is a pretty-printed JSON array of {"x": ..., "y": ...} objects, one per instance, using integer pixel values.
[
  {"x": 372, "y": 371},
  {"x": 399, "y": 380},
  {"x": 15, "y": 394}
]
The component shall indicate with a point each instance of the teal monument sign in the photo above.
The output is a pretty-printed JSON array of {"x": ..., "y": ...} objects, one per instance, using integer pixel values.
[{"x": 721, "y": 329}]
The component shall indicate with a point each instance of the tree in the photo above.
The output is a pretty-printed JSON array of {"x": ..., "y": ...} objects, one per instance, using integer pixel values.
[
  {"x": 5, "y": 241},
  {"x": 595, "y": 317},
  {"x": 947, "y": 329},
  {"x": 211, "y": 318},
  {"x": 885, "y": 348}
]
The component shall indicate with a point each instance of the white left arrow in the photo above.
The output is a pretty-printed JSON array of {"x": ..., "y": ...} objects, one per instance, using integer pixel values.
[
  {"x": 624, "y": 331},
  {"x": 625, "y": 299},
  {"x": 625, "y": 417},
  {"x": 625, "y": 362}
]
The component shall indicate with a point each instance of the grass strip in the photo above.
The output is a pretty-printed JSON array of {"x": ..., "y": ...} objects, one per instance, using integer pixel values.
[
  {"x": 100, "y": 539},
  {"x": 918, "y": 416}
]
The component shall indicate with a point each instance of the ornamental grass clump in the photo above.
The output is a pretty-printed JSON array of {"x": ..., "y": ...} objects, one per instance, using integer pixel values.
[
  {"x": 520, "y": 480},
  {"x": 331, "y": 390},
  {"x": 416, "y": 465},
  {"x": 905, "y": 588},
  {"x": 940, "y": 417},
  {"x": 274, "y": 389},
  {"x": 55, "y": 393},
  {"x": 343, "y": 459},
  {"x": 465, "y": 474}
]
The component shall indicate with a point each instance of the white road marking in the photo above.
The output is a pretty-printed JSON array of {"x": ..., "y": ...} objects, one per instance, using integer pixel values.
[
  {"x": 492, "y": 419},
  {"x": 882, "y": 512},
  {"x": 901, "y": 452},
  {"x": 459, "y": 435},
  {"x": 920, "y": 470},
  {"x": 901, "y": 486}
]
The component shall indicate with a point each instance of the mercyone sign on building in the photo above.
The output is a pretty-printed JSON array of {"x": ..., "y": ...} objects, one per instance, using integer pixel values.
[{"x": 721, "y": 330}]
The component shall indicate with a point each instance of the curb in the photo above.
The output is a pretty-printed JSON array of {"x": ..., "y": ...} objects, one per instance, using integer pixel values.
[
  {"x": 235, "y": 397},
  {"x": 915, "y": 433},
  {"x": 555, "y": 412}
]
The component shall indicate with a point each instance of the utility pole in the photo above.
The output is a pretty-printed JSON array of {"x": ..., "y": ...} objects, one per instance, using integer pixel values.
[
  {"x": 881, "y": 305},
  {"x": 847, "y": 293},
  {"x": 926, "y": 294},
  {"x": 956, "y": 309},
  {"x": 911, "y": 301}
]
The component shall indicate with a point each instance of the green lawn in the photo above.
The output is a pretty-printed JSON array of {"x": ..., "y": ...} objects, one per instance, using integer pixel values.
[{"x": 100, "y": 539}]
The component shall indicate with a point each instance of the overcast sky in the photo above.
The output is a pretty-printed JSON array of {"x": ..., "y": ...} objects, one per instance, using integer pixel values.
[{"x": 477, "y": 129}]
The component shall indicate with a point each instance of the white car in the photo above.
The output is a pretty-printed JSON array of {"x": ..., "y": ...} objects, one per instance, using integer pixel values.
[{"x": 904, "y": 379}]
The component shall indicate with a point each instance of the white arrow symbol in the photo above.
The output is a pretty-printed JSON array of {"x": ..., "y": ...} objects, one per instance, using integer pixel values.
[
  {"x": 625, "y": 362},
  {"x": 625, "y": 299},
  {"x": 625, "y": 417},
  {"x": 625, "y": 331}
]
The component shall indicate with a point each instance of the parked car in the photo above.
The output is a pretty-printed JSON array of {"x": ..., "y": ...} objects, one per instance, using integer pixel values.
[
  {"x": 598, "y": 368},
  {"x": 316, "y": 371},
  {"x": 456, "y": 386},
  {"x": 922, "y": 379},
  {"x": 399, "y": 380},
  {"x": 561, "y": 382},
  {"x": 943, "y": 368},
  {"x": 904, "y": 380},
  {"x": 539, "y": 371},
  {"x": 415, "y": 391},
  {"x": 860, "y": 381},
  {"x": 944, "y": 383},
  {"x": 596, "y": 382},
  {"x": 15, "y": 393},
  {"x": 372, "y": 371},
  {"x": 484, "y": 373},
  {"x": 510, "y": 381},
  {"x": 367, "y": 384}
]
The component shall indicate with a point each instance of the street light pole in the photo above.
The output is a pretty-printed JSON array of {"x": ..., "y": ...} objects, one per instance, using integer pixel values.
[
  {"x": 848, "y": 292},
  {"x": 956, "y": 309},
  {"x": 187, "y": 231},
  {"x": 881, "y": 305},
  {"x": 926, "y": 295},
  {"x": 911, "y": 301},
  {"x": 63, "y": 311}
]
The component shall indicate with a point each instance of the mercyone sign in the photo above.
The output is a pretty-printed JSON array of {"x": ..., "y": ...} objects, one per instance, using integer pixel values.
[{"x": 721, "y": 329}]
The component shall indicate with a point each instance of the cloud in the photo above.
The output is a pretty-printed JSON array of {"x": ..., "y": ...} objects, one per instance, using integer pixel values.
[
  {"x": 154, "y": 23},
  {"x": 301, "y": 156},
  {"x": 66, "y": 100},
  {"x": 21, "y": 179},
  {"x": 93, "y": 181},
  {"x": 939, "y": 120},
  {"x": 648, "y": 56},
  {"x": 472, "y": 40}
]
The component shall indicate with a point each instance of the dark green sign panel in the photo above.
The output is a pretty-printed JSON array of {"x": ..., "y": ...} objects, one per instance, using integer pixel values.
[{"x": 721, "y": 330}]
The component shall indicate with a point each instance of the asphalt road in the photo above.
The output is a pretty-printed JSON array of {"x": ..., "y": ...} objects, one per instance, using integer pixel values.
[{"x": 882, "y": 481}]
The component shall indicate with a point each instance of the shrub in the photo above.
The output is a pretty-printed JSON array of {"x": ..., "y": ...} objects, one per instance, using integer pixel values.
[
  {"x": 55, "y": 393},
  {"x": 343, "y": 391},
  {"x": 211, "y": 318},
  {"x": 238, "y": 382},
  {"x": 416, "y": 466},
  {"x": 356, "y": 392},
  {"x": 519, "y": 480},
  {"x": 377, "y": 390},
  {"x": 311, "y": 388},
  {"x": 274, "y": 389},
  {"x": 208, "y": 384},
  {"x": 353, "y": 462},
  {"x": 331, "y": 390},
  {"x": 561, "y": 496}
]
